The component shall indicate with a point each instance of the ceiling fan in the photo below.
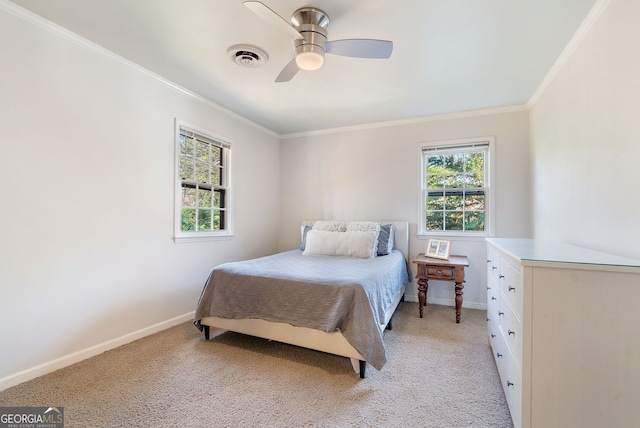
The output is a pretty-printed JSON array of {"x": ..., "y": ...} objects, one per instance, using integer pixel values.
[{"x": 308, "y": 29}]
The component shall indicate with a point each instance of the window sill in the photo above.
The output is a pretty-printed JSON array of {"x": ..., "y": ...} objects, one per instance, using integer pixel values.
[{"x": 202, "y": 238}]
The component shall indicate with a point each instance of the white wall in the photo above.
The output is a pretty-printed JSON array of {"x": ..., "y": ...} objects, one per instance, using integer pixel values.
[
  {"x": 87, "y": 184},
  {"x": 585, "y": 139},
  {"x": 373, "y": 174}
]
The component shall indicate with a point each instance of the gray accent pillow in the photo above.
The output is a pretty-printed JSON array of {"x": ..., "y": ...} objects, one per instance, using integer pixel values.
[
  {"x": 385, "y": 239},
  {"x": 303, "y": 241}
]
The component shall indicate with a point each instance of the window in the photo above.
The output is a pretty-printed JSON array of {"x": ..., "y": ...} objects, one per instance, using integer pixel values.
[
  {"x": 202, "y": 184},
  {"x": 455, "y": 187}
]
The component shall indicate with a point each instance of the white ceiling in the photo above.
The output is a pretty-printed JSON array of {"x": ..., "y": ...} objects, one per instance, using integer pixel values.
[{"x": 448, "y": 56}]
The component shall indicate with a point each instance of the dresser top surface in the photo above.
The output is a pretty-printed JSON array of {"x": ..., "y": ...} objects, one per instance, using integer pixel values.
[{"x": 538, "y": 250}]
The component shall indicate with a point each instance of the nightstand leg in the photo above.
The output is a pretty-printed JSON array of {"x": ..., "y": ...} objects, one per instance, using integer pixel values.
[
  {"x": 423, "y": 286},
  {"x": 459, "y": 287}
]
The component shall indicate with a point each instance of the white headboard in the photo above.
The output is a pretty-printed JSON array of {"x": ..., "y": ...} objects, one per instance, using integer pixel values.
[{"x": 400, "y": 239}]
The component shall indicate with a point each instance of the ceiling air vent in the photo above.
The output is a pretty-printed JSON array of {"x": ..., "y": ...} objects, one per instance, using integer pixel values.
[{"x": 247, "y": 56}]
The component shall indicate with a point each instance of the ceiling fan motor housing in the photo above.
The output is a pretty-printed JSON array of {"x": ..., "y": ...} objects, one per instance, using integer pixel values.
[{"x": 312, "y": 24}]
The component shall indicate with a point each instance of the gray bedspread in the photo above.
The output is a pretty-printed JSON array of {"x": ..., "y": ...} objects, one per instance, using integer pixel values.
[{"x": 319, "y": 292}]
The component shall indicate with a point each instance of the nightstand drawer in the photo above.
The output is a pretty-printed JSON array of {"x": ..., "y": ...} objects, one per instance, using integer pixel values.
[{"x": 440, "y": 272}]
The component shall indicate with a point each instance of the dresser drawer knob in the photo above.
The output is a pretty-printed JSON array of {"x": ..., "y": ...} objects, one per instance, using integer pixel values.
[
  {"x": 500, "y": 313},
  {"x": 498, "y": 354},
  {"x": 494, "y": 267},
  {"x": 488, "y": 288},
  {"x": 509, "y": 383},
  {"x": 511, "y": 332},
  {"x": 493, "y": 298},
  {"x": 493, "y": 335},
  {"x": 488, "y": 261},
  {"x": 500, "y": 276},
  {"x": 512, "y": 288}
]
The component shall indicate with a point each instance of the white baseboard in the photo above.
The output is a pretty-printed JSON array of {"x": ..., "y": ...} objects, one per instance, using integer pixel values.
[
  {"x": 448, "y": 302},
  {"x": 67, "y": 360},
  {"x": 451, "y": 302}
]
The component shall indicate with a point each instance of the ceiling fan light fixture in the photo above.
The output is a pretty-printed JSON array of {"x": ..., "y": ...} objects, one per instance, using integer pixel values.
[{"x": 309, "y": 61}]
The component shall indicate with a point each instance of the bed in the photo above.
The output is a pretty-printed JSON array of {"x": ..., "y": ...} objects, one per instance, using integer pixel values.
[{"x": 325, "y": 296}]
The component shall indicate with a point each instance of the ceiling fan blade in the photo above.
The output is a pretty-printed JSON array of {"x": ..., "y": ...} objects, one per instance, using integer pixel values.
[
  {"x": 272, "y": 18},
  {"x": 361, "y": 48},
  {"x": 288, "y": 72}
]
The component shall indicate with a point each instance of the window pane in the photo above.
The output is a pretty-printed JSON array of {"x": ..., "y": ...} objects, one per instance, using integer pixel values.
[
  {"x": 218, "y": 220},
  {"x": 436, "y": 180},
  {"x": 474, "y": 220},
  {"x": 474, "y": 202},
  {"x": 455, "y": 163},
  {"x": 202, "y": 172},
  {"x": 454, "y": 202},
  {"x": 202, "y": 151},
  {"x": 435, "y": 161},
  {"x": 474, "y": 179},
  {"x": 216, "y": 155},
  {"x": 186, "y": 146},
  {"x": 435, "y": 172},
  {"x": 453, "y": 220},
  {"x": 188, "y": 196},
  {"x": 435, "y": 220},
  {"x": 204, "y": 198},
  {"x": 204, "y": 219},
  {"x": 215, "y": 175},
  {"x": 188, "y": 219},
  {"x": 186, "y": 169},
  {"x": 435, "y": 202},
  {"x": 218, "y": 199},
  {"x": 455, "y": 180},
  {"x": 475, "y": 162},
  {"x": 454, "y": 172}
]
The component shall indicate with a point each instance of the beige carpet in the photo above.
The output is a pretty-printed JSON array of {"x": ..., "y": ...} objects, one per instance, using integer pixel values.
[{"x": 438, "y": 374}]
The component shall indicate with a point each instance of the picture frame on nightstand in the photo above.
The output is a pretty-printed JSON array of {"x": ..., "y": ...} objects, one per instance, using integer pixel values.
[{"x": 438, "y": 249}]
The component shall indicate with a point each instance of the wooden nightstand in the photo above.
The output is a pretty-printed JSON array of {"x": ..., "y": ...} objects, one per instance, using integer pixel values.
[{"x": 441, "y": 270}]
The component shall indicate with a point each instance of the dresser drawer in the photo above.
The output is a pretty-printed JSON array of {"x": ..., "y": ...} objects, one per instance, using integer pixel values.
[
  {"x": 511, "y": 285},
  {"x": 435, "y": 272},
  {"x": 511, "y": 329},
  {"x": 500, "y": 354},
  {"x": 492, "y": 315},
  {"x": 493, "y": 265},
  {"x": 510, "y": 378},
  {"x": 512, "y": 385}
]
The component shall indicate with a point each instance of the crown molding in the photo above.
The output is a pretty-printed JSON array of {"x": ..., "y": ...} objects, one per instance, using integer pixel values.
[
  {"x": 74, "y": 38},
  {"x": 411, "y": 121}
]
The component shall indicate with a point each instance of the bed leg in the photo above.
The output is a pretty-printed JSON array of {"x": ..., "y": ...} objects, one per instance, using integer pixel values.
[
  {"x": 206, "y": 332},
  {"x": 390, "y": 324},
  {"x": 363, "y": 366}
]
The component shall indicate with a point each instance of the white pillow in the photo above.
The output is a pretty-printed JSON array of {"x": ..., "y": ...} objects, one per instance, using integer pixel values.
[
  {"x": 330, "y": 226},
  {"x": 363, "y": 245},
  {"x": 363, "y": 226}
]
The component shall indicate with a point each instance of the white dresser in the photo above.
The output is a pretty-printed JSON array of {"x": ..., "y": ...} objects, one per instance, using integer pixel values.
[{"x": 564, "y": 328}]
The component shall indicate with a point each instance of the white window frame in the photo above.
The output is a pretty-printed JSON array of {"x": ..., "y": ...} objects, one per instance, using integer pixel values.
[
  {"x": 448, "y": 145},
  {"x": 225, "y": 143}
]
